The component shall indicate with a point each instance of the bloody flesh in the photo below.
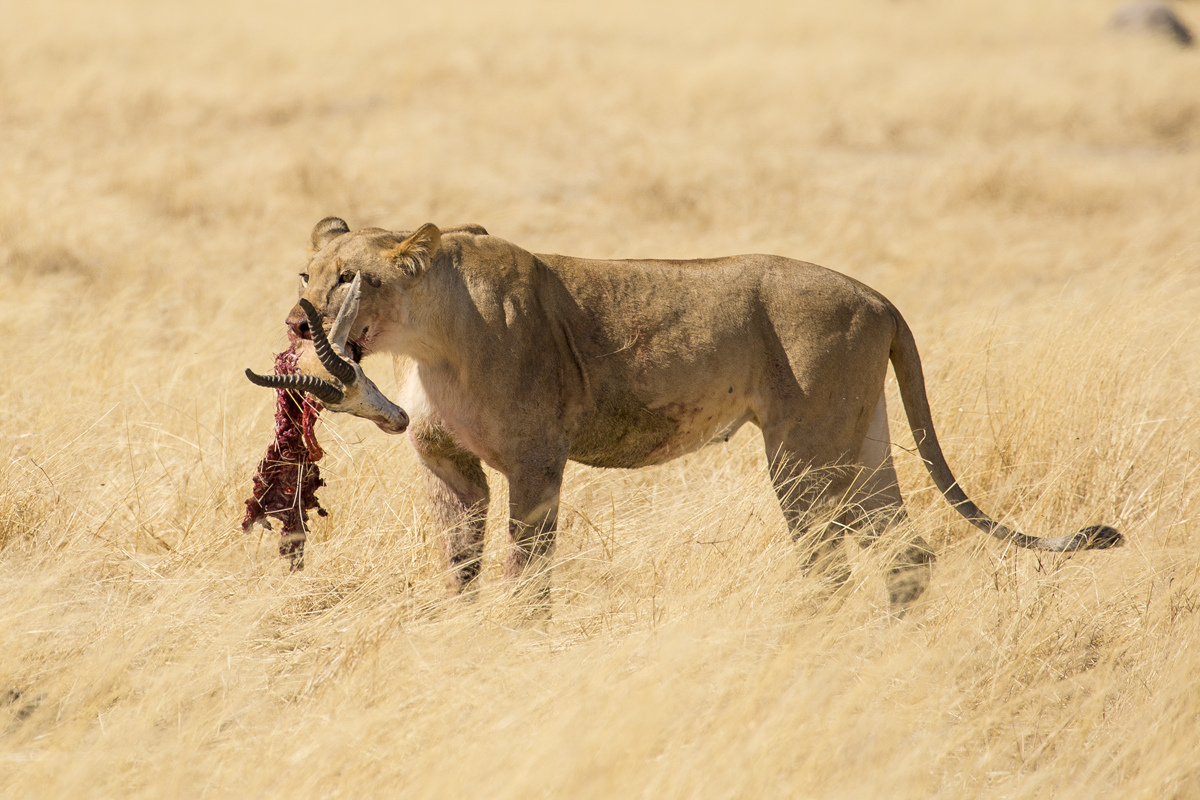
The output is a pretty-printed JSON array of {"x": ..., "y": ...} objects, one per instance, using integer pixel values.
[{"x": 287, "y": 478}]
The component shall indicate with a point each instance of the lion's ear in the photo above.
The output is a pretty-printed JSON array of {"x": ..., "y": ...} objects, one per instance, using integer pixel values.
[
  {"x": 325, "y": 232},
  {"x": 413, "y": 255}
]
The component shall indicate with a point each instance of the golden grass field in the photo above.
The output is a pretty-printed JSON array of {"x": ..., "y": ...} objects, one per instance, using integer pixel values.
[{"x": 1022, "y": 183}]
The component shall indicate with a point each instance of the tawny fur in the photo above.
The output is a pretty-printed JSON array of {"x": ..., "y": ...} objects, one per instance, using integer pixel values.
[{"x": 524, "y": 361}]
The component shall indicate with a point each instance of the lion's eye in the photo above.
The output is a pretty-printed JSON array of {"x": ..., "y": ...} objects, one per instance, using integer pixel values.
[
  {"x": 304, "y": 278},
  {"x": 346, "y": 277}
]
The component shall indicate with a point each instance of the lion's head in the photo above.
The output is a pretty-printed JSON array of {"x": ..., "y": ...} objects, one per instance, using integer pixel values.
[{"x": 390, "y": 264}]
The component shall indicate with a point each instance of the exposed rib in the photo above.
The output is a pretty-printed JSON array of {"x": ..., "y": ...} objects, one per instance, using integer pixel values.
[{"x": 323, "y": 390}]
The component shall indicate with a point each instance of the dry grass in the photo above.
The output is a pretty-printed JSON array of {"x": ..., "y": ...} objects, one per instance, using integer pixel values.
[{"x": 1024, "y": 185}]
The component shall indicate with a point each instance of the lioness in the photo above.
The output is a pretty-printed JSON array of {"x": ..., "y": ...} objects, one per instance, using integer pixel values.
[{"x": 524, "y": 361}]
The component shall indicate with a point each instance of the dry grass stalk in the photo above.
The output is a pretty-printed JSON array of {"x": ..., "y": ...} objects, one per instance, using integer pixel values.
[{"x": 1024, "y": 186}]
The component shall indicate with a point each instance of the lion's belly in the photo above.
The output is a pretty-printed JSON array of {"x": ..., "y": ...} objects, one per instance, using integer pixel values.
[{"x": 625, "y": 433}]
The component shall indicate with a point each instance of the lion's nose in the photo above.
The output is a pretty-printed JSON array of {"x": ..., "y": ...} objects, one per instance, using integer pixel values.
[{"x": 299, "y": 328}]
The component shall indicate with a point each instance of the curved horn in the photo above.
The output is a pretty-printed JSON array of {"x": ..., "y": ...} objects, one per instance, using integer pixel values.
[
  {"x": 339, "y": 334},
  {"x": 337, "y": 366},
  {"x": 323, "y": 390}
]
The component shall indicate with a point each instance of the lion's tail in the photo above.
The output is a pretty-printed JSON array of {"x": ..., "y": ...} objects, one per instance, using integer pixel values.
[{"x": 907, "y": 363}]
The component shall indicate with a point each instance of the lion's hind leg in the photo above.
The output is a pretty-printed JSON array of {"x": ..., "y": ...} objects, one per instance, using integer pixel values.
[
  {"x": 804, "y": 491},
  {"x": 823, "y": 496},
  {"x": 875, "y": 507}
]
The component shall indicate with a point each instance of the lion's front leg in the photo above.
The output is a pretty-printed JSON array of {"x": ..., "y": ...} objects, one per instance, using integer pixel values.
[
  {"x": 459, "y": 496},
  {"x": 533, "y": 493}
]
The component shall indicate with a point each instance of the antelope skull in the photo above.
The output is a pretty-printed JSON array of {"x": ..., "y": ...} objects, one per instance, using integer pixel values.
[{"x": 353, "y": 393}]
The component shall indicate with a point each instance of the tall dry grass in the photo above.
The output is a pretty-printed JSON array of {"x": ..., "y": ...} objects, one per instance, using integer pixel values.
[{"x": 1024, "y": 185}]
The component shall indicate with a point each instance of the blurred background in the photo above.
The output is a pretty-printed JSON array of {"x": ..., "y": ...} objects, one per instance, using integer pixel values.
[{"x": 1022, "y": 179}]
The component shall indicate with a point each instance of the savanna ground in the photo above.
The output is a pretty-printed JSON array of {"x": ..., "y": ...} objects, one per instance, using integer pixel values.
[{"x": 1022, "y": 183}]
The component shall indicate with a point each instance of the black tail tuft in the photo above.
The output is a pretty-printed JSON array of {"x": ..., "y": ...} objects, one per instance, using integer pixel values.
[{"x": 1099, "y": 537}]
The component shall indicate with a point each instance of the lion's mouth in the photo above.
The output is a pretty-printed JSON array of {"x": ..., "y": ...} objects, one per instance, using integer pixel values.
[
  {"x": 362, "y": 346},
  {"x": 355, "y": 348}
]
